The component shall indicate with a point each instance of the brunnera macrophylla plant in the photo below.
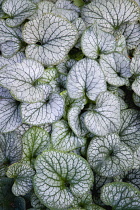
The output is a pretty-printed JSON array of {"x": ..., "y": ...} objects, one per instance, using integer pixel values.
[{"x": 70, "y": 104}]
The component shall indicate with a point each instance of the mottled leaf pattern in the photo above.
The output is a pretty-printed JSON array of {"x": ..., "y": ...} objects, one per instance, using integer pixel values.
[
  {"x": 22, "y": 175},
  {"x": 63, "y": 175},
  {"x": 108, "y": 156}
]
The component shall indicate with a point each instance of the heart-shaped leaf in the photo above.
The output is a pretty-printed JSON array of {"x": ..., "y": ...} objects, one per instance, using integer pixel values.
[
  {"x": 110, "y": 14},
  {"x": 116, "y": 68},
  {"x": 21, "y": 79},
  {"x": 39, "y": 113},
  {"x": 35, "y": 140},
  {"x": 22, "y": 175},
  {"x": 95, "y": 42},
  {"x": 63, "y": 138},
  {"x": 63, "y": 175},
  {"x": 130, "y": 128},
  {"x": 10, "y": 116},
  {"x": 52, "y": 41},
  {"x": 10, "y": 150},
  {"x": 105, "y": 117},
  {"x": 86, "y": 78},
  {"x": 108, "y": 156},
  {"x": 121, "y": 195},
  {"x": 18, "y": 11}
]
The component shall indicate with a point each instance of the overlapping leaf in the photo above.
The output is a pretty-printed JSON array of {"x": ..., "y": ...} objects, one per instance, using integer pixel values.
[
  {"x": 18, "y": 58},
  {"x": 136, "y": 99},
  {"x": 63, "y": 138},
  {"x": 35, "y": 202},
  {"x": 76, "y": 120},
  {"x": 130, "y": 128},
  {"x": 135, "y": 69},
  {"x": 39, "y": 113},
  {"x": 8, "y": 34},
  {"x": 121, "y": 195},
  {"x": 63, "y": 175},
  {"x": 132, "y": 34},
  {"x": 105, "y": 117},
  {"x": 137, "y": 158},
  {"x": 84, "y": 201},
  {"x": 116, "y": 68},
  {"x": 50, "y": 38},
  {"x": 43, "y": 8},
  {"x": 86, "y": 78},
  {"x": 108, "y": 156},
  {"x": 21, "y": 79},
  {"x": 110, "y": 14},
  {"x": 10, "y": 116},
  {"x": 95, "y": 42},
  {"x": 17, "y": 11},
  {"x": 68, "y": 14},
  {"x": 10, "y": 150},
  {"x": 10, "y": 39},
  {"x": 35, "y": 140},
  {"x": 7, "y": 199},
  {"x": 22, "y": 175},
  {"x": 67, "y": 5},
  {"x": 65, "y": 67},
  {"x": 133, "y": 177}
]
